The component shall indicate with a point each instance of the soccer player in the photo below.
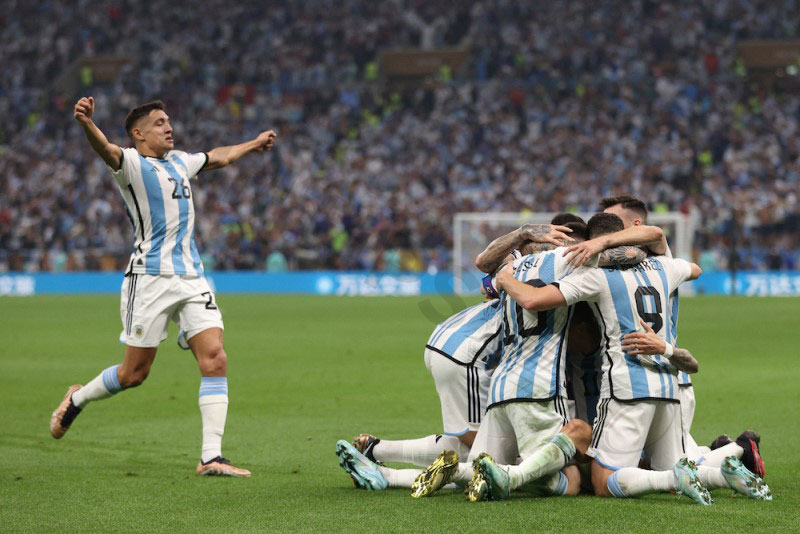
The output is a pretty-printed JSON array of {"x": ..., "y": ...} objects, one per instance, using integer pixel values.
[
  {"x": 633, "y": 213},
  {"x": 527, "y": 413},
  {"x": 639, "y": 410},
  {"x": 164, "y": 278},
  {"x": 460, "y": 354}
]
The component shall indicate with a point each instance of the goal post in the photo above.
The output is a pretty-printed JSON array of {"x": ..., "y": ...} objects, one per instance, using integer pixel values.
[{"x": 473, "y": 231}]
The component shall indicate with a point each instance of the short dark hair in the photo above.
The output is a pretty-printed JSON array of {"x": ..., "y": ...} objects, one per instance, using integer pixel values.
[
  {"x": 579, "y": 230},
  {"x": 628, "y": 202},
  {"x": 141, "y": 111},
  {"x": 563, "y": 218},
  {"x": 604, "y": 223}
]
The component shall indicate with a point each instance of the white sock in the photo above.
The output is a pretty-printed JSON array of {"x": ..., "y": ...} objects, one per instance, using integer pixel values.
[
  {"x": 399, "y": 478},
  {"x": 547, "y": 459},
  {"x": 102, "y": 386},
  {"x": 632, "y": 481},
  {"x": 214, "y": 410},
  {"x": 711, "y": 477},
  {"x": 462, "y": 474},
  {"x": 422, "y": 451},
  {"x": 717, "y": 456}
]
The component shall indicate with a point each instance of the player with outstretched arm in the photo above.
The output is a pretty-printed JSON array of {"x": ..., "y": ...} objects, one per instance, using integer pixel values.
[{"x": 164, "y": 278}]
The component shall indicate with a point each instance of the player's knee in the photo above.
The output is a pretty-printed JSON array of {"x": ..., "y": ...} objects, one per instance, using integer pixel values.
[
  {"x": 580, "y": 433},
  {"x": 215, "y": 361}
]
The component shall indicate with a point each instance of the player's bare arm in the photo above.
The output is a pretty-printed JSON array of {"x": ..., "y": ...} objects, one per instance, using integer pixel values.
[
  {"x": 529, "y": 297},
  {"x": 225, "y": 155},
  {"x": 648, "y": 342},
  {"x": 490, "y": 259},
  {"x": 650, "y": 236},
  {"x": 696, "y": 271},
  {"x": 111, "y": 153}
]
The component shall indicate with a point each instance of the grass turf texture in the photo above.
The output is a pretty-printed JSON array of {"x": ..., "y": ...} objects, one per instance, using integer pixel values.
[{"x": 304, "y": 372}]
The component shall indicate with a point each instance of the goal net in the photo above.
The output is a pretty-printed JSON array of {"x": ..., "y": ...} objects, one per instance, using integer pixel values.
[{"x": 473, "y": 231}]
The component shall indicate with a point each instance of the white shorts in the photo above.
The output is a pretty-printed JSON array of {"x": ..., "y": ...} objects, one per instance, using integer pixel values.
[
  {"x": 693, "y": 450},
  {"x": 623, "y": 430},
  {"x": 462, "y": 390},
  {"x": 149, "y": 301},
  {"x": 517, "y": 429},
  {"x": 688, "y": 404}
]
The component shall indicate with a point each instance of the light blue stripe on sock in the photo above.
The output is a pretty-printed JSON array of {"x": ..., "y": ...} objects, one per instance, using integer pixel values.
[
  {"x": 204, "y": 392},
  {"x": 111, "y": 380},
  {"x": 614, "y": 486},
  {"x": 561, "y": 488},
  {"x": 213, "y": 385},
  {"x": 563, "y": 442}
]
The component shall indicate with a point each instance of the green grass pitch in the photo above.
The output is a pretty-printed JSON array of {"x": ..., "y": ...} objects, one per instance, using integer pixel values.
[{"x": 305, "y": 372}]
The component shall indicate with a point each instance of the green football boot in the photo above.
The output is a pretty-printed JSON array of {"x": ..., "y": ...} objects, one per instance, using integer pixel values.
[
  {"x": 688, "y": 483},
  {"x": 497, "y": 479},
  {"x": 742, "y": 480}
]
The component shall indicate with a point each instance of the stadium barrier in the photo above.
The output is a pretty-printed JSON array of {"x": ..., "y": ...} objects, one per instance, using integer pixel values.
[
  {"x": 356, "y": 283},
  {"x": 309, "y": 283}
]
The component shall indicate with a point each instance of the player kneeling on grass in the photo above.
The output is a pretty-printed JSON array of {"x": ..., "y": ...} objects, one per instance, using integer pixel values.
[
  {"x": 639, "y": 408},
  {"x": 527, "y": 415},
  {"x": 164, "y": 279},
  {"x": 460, "y": 354}
]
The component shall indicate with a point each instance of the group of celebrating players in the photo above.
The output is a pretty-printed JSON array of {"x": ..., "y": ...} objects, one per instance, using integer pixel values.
[{"x": 567, "y": 378}]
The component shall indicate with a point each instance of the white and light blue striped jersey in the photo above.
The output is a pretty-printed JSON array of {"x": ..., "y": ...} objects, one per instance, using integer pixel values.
[
  {"x": 471, "y": 336},
  {"x": 619, "y": 297},
  {"x": 534, "y": 343},
  {"x": 158, "y": 197}
]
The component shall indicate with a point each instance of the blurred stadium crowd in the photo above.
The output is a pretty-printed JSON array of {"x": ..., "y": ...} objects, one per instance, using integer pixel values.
[{"x": 561, "y": 103}]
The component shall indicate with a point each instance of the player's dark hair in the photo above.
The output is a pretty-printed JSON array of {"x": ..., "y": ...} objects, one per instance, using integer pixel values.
[
  {"x": 628, "y": 202},
  {"x": 580, "y": 231},
  {"x": 142, "y": 111},
  {"x": 604, "y": 223},
  {"x": 563, "y": 218}
]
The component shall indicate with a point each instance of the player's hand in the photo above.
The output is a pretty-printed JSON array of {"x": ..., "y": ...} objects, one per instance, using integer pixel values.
[
  {"x": 266, "y": 140},
  {"x": 579, "y": 253},
  {"x": 504, "y": 273},
  {"x": 646, "y": 342},
  {"x": 545, "y": 233},
  {"x": 84, "y": 109}
]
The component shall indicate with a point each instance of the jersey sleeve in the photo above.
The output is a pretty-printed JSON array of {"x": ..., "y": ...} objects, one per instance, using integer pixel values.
[
  {"x": 678, "y": 271},
  {"x": 561, "y": 267},
  {"x": 584, "y": 283},
  {"x": 127, "y": 167},
  {"x": 194, "y": 162}
]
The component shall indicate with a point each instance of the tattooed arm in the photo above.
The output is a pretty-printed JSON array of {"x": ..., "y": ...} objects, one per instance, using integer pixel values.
[
  {"x": 626, "y": 255},
  {"x": 648, "y": 342},
  {"x": 580, "y": 253},
  {"x": 683, "y": 360},
  {"x": 490, "y": 259},
  {"x": 529, "y": 247}
]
